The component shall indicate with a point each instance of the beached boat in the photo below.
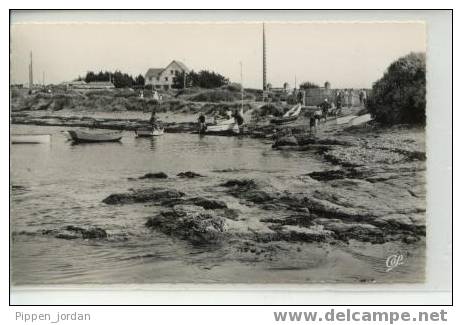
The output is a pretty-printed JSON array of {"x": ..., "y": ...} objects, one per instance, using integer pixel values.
[
  {"x": 229, "y": 126},
  {"x": 79, "y": 136},
  {"x": 289, "y": 116},
  {"x": 361, "y": 119},
  {"x": 344, "y": 119},
  {"x": 149, "y": 132},
  {"x": 30, "y": 138}
]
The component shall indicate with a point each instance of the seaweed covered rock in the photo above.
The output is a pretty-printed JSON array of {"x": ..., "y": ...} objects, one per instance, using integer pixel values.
[
  {"x": 161, "y": 175},
  {"x": 75, "y": 232},
  {"x": 189, "y": 174},
  {"x": 289, "y": 140},
  {"x": 144, "y": 195},
  {"x": 190, "y": 222}
]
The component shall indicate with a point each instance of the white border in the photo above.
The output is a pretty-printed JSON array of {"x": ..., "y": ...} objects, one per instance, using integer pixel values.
[{"x": 437, "y": 288}]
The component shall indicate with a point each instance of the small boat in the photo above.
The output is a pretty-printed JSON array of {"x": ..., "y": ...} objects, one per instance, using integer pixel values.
[
  {"x": 361, "y": 119},
  {"x": 149, "y": 132},
  {"x": 30, "y": 138},
  {"x": 78, "y": 136},
  {"x": 224, "y": 127},
  {"x": 291, "y": 115},
  {"x": 344, "y": 119}
]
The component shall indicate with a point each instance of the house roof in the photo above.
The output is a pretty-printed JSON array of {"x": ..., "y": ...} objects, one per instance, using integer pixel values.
[
  {"x": 154, "y": 72},
  {"x": 181, "y": 64}
]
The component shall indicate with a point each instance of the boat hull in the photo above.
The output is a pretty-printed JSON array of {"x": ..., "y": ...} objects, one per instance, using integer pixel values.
[
  {"x": 30, "y": 138},
  {"x": 86, "y": 137},
  {"x": 222, "y": 129},
  {"x": 284, "y": 120},
  {"x": 148, "y": 132}
]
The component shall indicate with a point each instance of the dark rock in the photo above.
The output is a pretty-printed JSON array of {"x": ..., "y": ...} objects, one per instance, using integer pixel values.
[
  {"x": 142, "y": 196},
  {"x": 207, "y": 204},
  {"x": 328, "y": 175},
  {"x": 90, "y": 233},
  {"x": 189, "y": 174},
  {"x": 241, "y": 184},
  {"x": 285, "y": 141},
  {"x": 161, "y": 175},
  {"x": 191, "y": 223},
  {"x": 67, "y": 236}
]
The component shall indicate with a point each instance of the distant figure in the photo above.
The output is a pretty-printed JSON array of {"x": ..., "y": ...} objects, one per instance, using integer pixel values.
[
  {"x": 300, "y": 97},
  {"x": 229, "y": 114},
  {"x": 350, "y": 98},
  {"x": 312, "y": 123},
  {"x": 155, "y": 95},
  {"x": 202, "y": 125},
  {"x": 325, "y": 108},
  {"x": 362, "y": 97},
  {"x": 153, "y": 118},
  {"x": 141, "y": 94},
  {"x": 339, "y": 100},
  {"x": 238, "y": 117}
]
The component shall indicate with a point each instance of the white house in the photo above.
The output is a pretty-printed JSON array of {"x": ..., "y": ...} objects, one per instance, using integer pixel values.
[{"x": 162, "y": 78}]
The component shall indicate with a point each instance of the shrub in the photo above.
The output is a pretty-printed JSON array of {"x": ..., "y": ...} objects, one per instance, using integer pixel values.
[
  {"x": 268, "y": 109},
  {"x": 233, "y": 86},
  {"x": 399, "y": 96},
  {"x": 215, "y": 96},
  {"x": 308, "y": 85}
]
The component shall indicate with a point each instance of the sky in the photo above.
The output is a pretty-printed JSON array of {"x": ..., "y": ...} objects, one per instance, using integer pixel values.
[{"x": 348, "y": 55}]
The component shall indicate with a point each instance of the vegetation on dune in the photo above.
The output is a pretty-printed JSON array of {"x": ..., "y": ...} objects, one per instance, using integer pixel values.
[
  {"x": 201, "y": 79},
  {"x": 399, "y": 96},
  {"x": 308, "y": 85},
  {"x": 120, "y": 79}
]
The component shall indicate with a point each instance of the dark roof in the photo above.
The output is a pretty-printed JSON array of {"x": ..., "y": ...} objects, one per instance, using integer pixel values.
[
  {"x": 154, "y": 72},
  {"x": 181, "y": 64}
]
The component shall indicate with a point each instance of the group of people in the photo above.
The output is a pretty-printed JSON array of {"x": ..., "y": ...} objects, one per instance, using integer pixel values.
[{"x": 228, "y": 115}]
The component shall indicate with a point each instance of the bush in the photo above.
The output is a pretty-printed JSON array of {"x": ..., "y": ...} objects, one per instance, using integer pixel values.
[
  {"x": 215, "y": 96},
  {"x": 308, "y": 85},
  {"x": 234, "y": 86},
  {"x": 399, "y": 97},
  {"x": 268, "y": 109}
]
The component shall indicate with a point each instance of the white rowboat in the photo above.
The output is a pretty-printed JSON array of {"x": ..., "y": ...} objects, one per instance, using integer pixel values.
[
  {"x": 78, "y": 136},
  {"x": 30, "y": 138},
  {"x": 361, "y": 119}
]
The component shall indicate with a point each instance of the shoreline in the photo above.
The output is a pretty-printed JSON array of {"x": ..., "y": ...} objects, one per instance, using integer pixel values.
[{"x": 372, "y": 189}]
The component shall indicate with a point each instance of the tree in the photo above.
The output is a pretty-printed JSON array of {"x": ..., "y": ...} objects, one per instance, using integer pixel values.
[
  {"x": 139, "y": 80},
  {"x": 201, "y": 79},
  {"x": 399, "y": 96},
  {"x": 308, "y": 85}
]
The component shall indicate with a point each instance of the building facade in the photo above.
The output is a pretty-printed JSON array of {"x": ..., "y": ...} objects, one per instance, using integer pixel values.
[{"x": 162, "y": 78}]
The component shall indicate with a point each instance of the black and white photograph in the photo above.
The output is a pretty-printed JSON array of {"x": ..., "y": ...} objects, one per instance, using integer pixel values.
[{"x": 256, "y": 152}]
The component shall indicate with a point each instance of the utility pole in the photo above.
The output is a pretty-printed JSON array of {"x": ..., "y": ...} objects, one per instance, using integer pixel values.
[
  {"x": 242, "y": 90},
  {"x": 264, "y": 63},
  {"x": 31, "y": 73},
  {"x": 43, "y": 78}
]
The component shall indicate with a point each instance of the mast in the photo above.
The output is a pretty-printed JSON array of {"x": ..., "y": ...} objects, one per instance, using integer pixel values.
[
  {"x": 242, "y": 90},
  {"x": 31, "y": 73},
  {"x": 264, "y": 61}
]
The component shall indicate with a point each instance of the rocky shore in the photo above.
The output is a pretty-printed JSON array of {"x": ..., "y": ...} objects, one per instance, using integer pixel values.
[{"x": 371, "y": 190}]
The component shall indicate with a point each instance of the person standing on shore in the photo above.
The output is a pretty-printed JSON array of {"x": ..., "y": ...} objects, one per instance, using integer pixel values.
[
  {"x": 325, "y": 109},
  {"x": 201, "y": 121},
  {"x": 339, "y": 100},
  {"x": 350, "y": 98}
]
